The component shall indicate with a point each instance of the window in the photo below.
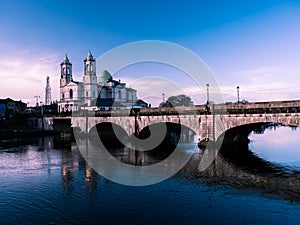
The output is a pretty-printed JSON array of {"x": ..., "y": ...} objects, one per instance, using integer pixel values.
[
  {"x": 86, "y": 94},
  {"x": 63, "y": 96},
  {"x": 71, "y": 93},
  {"x": 93, "y": 94}
]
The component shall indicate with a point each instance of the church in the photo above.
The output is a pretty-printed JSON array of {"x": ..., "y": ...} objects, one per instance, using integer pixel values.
[{"x": 100, "y": 92}]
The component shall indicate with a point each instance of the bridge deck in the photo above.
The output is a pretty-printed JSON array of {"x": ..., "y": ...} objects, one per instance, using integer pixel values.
[{"x": 228, "y": 108}]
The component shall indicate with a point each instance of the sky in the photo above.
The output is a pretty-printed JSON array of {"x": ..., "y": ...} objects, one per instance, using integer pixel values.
[{"x": 251, "y": 44}]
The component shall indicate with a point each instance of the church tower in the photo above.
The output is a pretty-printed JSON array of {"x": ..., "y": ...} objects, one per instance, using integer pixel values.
[
  {"x": 90, "y": 80},
  {"x": 65, "y": 72}
]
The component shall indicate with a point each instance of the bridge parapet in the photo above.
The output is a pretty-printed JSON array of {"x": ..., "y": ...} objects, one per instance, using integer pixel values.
[{"x": 229, "y": 108}]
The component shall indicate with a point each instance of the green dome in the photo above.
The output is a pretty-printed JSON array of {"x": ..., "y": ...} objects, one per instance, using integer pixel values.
[{"x": 103, "y": 77}]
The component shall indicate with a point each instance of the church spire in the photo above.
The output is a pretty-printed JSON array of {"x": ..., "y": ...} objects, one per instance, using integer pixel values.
[
  {"x": 90, "y": 54},
  {"x": 66, "y": 58}
]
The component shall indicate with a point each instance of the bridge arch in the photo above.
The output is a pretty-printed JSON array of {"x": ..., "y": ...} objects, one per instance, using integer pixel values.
[
  {"x": 240, "y": 132},
  {"x": 110, "y": 134},
  {"x": 185, "y": 134}
]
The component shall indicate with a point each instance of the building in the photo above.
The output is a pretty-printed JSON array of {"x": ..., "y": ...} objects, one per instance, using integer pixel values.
[
  {"x": 141, "y": 104},
  {"x": 10, "y": 108},
  {"x": 94, "y": 92}
]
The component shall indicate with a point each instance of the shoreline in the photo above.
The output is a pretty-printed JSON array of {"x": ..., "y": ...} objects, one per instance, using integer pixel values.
[{"x": 11, "y": 134}]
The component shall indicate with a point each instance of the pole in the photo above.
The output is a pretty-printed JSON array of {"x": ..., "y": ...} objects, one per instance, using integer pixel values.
[
  {"x": 131, "y": 99},
  {"x": 238, "y": 93},
  {"x": 42, "y": 115},
  {"x": 207, "y": 89},
  {"x": 37, "y": 100}
]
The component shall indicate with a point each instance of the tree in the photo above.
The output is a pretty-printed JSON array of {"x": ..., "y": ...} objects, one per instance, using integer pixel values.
[{"x": 178, "y": 100}]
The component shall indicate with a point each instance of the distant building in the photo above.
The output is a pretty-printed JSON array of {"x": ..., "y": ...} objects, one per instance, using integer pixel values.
[
  {"x": 10, "y": 108},
  {"x": 141, "y": 104},
  {"x": 95, "y": 92}
]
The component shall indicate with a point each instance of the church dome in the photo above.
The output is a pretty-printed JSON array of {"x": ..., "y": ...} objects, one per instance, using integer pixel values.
[{"x": 103, "y": 77}]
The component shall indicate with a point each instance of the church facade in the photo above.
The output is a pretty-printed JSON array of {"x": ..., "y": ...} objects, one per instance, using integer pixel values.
[{"x": 100, "y": 92}]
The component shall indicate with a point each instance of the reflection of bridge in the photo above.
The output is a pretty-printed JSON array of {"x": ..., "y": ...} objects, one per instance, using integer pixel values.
[
  {"x": 206, "y": 121},
  {"x": 238, "y": 166}
]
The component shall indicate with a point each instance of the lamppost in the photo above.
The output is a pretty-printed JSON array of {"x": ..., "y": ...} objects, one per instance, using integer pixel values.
[
  {"x": 238, "y": 93},
  {"x": 37, "y": 100},
  {"x": 131, "y": 99},
  {"x": 42, "y": 116},
  {"x": 207, "y": 93}
]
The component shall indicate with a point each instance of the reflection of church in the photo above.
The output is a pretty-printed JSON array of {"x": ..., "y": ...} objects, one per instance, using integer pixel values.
[{"x": 95, "y": 92}]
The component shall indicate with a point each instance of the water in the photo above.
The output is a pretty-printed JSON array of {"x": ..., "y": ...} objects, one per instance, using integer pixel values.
[
  {"x": 281, "y": 145},
  {"x": 46, "y": 181}
]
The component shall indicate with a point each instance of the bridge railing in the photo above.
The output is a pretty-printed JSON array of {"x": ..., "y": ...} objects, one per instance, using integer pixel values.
[
  {"x": 262, "y": 110},
  {"x": 178, "y": 110},
  {"x": 228, "y": 108}
]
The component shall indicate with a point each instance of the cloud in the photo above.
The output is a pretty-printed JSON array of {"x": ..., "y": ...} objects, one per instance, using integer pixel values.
[
  {"x": 264, "y": 83},
  {"x": 23, "y": 73},
  {"x": 263, "y": 70},
  {"x": 273, "y": 91}
]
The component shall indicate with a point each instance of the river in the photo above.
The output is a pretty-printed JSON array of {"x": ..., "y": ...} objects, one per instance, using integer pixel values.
[{"x": 47, "y": 181}]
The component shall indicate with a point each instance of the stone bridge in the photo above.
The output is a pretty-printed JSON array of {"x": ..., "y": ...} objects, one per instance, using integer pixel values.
[{"x": 207, "y": 121}]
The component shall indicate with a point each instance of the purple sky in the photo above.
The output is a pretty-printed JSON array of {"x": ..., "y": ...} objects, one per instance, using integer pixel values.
[{"x": 253, "y": 44}]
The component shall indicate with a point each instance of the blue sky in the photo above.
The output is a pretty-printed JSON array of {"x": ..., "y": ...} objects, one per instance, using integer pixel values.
[{"x": 253, "y": 44}]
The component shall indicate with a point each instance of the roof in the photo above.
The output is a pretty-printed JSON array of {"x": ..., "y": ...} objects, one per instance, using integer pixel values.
[
  {"x": 6, "y": 100},
  {"x": 108, "y": 102},
  {"x": 66, "y": 60},
  {"x": 72, "y": 82},
  {"x": 90, "y": 54},
  {"x": 140, "y": 101},
  {"x": 104, "y": 76},
  {"x": 89, "y": 57}
]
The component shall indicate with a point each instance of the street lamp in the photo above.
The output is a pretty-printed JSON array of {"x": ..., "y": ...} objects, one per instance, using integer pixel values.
[
  {"x": 37, "y": 100},
  {"x": 163, "y": 96},
  {"x": 131, "y": 98},
  {"x": 238, "y": 93},
  {"x": 42, "y": 116},
  {"x": 207, "y": 93}
]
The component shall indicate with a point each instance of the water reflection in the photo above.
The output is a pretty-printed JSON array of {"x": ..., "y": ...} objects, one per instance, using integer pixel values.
[
  {"x": 50, "y": 178},
  {"x": 279, "y": 145},
  {"x": 71, "y": 164},
  {"x": 235, "y": 165}
]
